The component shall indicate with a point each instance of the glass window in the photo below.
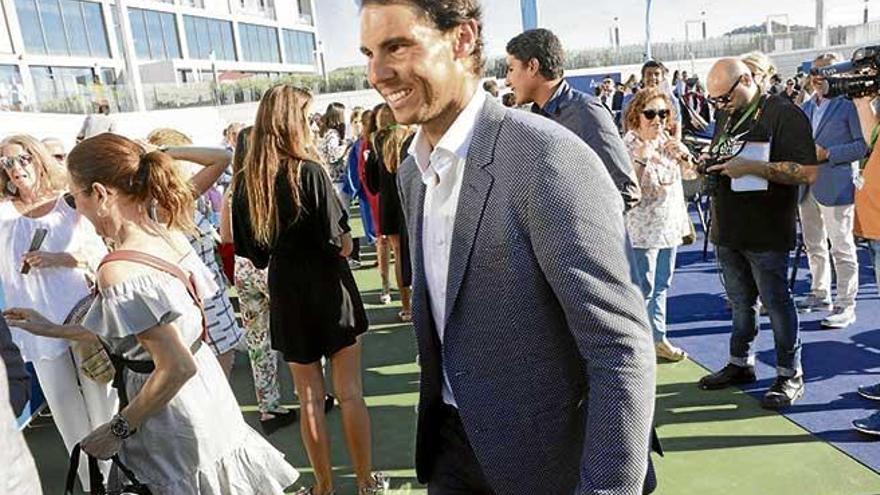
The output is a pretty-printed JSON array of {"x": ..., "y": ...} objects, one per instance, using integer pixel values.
[
  {"x": 97, "y": 32},
  {"x": 204, "y": 35},
  {"x": 139, "y": 33},
  {"x": 228, "y": 43},
  {"x": 258, "y": 43},
  {"x": 299, "y": 47},
  {"x": 76, "y": 29},
  {"x": 53, "y": 27},
  {"x": 11, "y": 89},
  {"x": 154, "y": 28},
  {"x": 31, "y": 28},
  {"x": 63, "y": 27},
  {"x": 169, "y": 33}
]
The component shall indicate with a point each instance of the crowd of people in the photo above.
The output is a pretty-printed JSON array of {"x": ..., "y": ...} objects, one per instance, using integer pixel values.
[{"x": 533, "y": 249}]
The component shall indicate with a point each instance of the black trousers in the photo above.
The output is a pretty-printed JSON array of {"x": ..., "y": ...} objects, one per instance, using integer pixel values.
[{"x": 456, "y": 470}]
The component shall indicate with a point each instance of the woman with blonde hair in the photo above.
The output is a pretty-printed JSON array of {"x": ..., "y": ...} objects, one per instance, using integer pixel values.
[
  {"x": 286, "y": 215},
  {"x": 52, "y": 278},
  {"x": 179, "y": 429},
  {"x": 659, "y": 222},
  {"x": 762, "y": 69}
]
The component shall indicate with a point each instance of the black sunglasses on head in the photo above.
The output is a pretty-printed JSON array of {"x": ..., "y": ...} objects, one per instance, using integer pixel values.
[
  {"x": 651, "y": 114},
  {"x": 726, "y": 97}
]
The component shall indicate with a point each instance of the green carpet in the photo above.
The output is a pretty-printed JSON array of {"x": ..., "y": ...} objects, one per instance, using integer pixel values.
[{"x": 716, "y": 442}]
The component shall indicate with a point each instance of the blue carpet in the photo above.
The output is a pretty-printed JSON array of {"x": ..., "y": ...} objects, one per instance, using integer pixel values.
[{"x": 835, "y": 362}]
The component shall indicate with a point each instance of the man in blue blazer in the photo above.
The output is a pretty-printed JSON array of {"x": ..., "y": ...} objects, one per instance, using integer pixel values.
[
  {"x": 537, "y": 360},
  {"x": 827, "y": 207}
]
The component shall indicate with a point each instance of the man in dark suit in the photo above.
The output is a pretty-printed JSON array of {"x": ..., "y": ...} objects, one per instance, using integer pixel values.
[
  {"x": 535, "y": 62},
  {"x": 537, "y": 362}
]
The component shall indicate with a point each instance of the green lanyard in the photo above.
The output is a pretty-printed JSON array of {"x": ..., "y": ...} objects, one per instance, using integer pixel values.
[{"x": 753, "y": 113}]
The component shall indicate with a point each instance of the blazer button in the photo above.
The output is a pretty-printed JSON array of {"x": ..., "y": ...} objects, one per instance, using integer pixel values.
[{"x": 460, "y": 373}]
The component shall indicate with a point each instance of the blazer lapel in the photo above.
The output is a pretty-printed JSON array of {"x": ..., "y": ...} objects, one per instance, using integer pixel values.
[
  {"x": 829, "y": 112},
  {"x": 475, "y": 187},
  {"x": 420, "y": 294}
]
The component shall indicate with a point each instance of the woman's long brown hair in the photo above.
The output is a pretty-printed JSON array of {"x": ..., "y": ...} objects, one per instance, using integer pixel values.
[
  {"x": 391, "y": 136},
  {"x": 280, "y": 134}
]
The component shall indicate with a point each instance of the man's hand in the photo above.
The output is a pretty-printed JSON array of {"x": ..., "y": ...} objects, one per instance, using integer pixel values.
[
  {"x": 735, "y": 168},
  {"x": 821, "y": 154}
]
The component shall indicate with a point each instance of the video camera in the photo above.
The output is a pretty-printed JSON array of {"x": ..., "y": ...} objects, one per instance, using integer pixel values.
[{"x": 855, "y": 78}]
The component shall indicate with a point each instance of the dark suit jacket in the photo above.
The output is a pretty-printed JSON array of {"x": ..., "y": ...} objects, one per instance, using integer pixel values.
[
  {"x": 546, "y": 344},
  {"x": 17, "y": 375},
  {"x": 589, "y": 119}
]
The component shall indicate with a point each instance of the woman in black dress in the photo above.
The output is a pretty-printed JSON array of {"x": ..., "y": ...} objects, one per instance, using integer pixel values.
[
  {"x": 390, "y": 146},
  {"x": 286, "y": 215}
]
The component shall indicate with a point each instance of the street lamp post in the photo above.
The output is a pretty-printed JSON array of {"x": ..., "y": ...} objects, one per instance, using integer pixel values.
[{"x": 648, "y": 54}]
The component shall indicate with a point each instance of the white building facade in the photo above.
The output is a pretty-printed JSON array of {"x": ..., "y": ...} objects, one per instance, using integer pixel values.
[{"x": 68, "y": 55}]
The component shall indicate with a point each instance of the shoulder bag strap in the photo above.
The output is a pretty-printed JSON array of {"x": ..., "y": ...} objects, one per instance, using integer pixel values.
[{"x": 164, "y": 266}]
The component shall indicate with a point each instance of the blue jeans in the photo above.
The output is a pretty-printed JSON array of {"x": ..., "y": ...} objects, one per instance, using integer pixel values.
[
  {"x": 874, "y": 249},
  {"x": 655, "y": 268},
  {"x": 746, "y": 275}
]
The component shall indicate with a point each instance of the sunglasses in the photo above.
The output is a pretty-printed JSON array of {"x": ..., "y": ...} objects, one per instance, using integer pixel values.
[
  {"x": 651, "y": 114},
  {"x": 726, "y": 97},
  {"x": 9, "y": 162}
]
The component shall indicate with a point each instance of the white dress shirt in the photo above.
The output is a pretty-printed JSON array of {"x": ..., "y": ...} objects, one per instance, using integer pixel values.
[{"x": 442, "y": 171}]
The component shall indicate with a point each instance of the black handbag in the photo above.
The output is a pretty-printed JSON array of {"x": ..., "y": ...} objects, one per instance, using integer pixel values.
[{"x": 131, "y": 486}]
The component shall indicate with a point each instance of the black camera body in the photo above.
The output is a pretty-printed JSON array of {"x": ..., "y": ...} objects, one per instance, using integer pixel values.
[
  {"x": 850, "y": 78},
  {"x": 711, "y": 179}
]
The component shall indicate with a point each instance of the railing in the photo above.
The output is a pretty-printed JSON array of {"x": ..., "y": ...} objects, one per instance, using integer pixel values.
[
  {"x": 165, "y": 96},
  {"x": 726, "y": 46}
]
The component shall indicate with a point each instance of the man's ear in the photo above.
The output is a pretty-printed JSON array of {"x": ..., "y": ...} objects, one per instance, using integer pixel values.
[
  {"x": 466, "y": 39},
  {"x": 534, "y": 67}
]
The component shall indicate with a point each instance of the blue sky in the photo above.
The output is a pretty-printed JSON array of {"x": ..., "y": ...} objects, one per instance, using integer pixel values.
[{"x": 586, "y": 23}]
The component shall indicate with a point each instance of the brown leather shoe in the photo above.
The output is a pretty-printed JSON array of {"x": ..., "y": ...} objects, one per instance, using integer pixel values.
[{"x": 669, "y": 352}]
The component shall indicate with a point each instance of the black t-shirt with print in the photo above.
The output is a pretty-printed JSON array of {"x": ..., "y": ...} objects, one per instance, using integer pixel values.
[{"x": 765, "y": 220}]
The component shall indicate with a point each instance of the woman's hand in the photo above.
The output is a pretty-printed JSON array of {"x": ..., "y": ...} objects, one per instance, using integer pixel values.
[
  {"x": 676, "y": 148},
  {"x": 42, "y": 259},
  {"x": 102, "y": 443},
  {"x": 30, "y": 321}
]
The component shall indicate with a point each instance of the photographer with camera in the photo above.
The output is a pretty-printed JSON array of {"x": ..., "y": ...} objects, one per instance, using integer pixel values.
[
  {"x": 826, "y": 207},
  {"x": 763, "y": 150}
]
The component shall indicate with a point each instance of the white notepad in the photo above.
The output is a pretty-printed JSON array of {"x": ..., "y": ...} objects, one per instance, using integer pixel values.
[{"x": 748, "y": 183}]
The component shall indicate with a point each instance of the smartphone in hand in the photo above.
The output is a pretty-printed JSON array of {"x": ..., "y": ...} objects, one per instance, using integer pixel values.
[{"x": 36, "y": 243}]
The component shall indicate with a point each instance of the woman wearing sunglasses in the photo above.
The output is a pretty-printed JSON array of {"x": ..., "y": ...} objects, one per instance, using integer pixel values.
[
  {"x": 56, "y": 279},
  {"x": 660, "y": 221}
]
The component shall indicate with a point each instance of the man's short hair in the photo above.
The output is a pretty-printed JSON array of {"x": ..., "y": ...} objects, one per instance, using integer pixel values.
[
  {"x": 491, "y": 87},
  {"x": 542, "y": 45},
  {"x": 445, "y": 16},
  {"x": 652, "y": 64}
]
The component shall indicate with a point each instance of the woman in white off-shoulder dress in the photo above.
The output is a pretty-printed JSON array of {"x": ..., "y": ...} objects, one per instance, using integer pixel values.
[{"x": 181, "y": 431}]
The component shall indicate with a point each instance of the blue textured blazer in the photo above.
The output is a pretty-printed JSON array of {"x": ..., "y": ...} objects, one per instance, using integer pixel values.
[
  {"x": 839, "y": 133},
  {"x": 546, "y": 346}
]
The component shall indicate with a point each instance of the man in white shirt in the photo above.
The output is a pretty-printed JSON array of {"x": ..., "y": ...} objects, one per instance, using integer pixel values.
[{"x": 525, "y": 313}]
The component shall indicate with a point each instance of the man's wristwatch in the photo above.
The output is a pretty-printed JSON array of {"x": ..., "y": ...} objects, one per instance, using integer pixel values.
[{"x": 120, "y": 427}]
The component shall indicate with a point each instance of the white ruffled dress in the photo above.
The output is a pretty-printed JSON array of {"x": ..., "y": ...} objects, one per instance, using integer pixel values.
[{"x": 199, "y": 443}]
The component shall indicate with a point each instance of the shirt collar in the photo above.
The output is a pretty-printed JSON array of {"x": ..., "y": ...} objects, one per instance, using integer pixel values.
[
  {"x": 455, "y": 141},
  {"x": 555, "y": 101}
]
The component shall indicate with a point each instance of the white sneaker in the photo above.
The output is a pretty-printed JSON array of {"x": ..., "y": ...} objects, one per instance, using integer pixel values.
[
  {"x": 385, "y": 298},
  {"x": 840, "y": 317},
  {"x": 813, "y": 303}
]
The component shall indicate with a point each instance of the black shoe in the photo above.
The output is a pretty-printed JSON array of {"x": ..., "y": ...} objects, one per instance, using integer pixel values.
[
  {"x": 280, "y": 420},
  {"x": 783, "y": 393},
  {"x": 729, "y": 375},
  {"x": 329, "y": 401}
]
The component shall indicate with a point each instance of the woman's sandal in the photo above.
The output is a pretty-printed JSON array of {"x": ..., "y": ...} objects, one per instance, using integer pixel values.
[
  {"x": 405, "y": 316},
  {"x": 279, "y": 420}
]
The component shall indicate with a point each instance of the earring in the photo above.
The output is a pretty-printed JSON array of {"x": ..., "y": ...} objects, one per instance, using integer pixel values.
[{"x": 11, "y": 187}]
